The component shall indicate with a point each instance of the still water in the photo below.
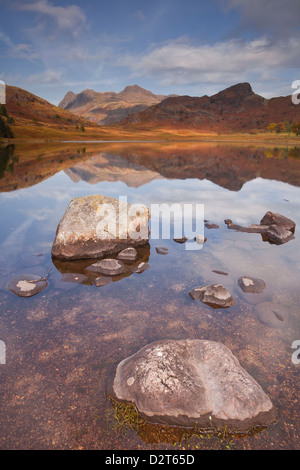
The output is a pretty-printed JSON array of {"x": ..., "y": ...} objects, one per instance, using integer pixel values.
[{"x": 62, "y": 345}]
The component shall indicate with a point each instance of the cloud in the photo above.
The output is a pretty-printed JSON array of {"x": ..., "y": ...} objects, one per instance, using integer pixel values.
[
  {"x": 66, "y": 18},
  {"x": 17, "y": 51},
  {"x": 277, "y": 17},
  {"x": 47, "y": 77},
  {"x": 182, "y": 62},
  {"x": 140, "y": 15}
]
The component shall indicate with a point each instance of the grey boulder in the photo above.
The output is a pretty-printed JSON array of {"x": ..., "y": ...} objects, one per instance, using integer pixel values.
[
  {"x": 192, "y": 382},
  {"x": 96, "y": 226}
]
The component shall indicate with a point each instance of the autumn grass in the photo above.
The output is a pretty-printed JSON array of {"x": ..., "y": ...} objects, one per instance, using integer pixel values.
[{"x": 25, "y": 131}]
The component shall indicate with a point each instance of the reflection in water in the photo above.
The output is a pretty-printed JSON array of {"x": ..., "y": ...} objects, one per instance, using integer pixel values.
[
  {"x": 63, "y": 344},
  {"x": 87, "y": 277},
  {"x": 226, "y": 165}
]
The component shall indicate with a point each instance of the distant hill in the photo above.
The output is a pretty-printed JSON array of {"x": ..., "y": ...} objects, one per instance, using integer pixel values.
[
  {"x": 234, "y": 109},
  {"x": 109, "y": 107},
  {"x": 25, "y": 106}
]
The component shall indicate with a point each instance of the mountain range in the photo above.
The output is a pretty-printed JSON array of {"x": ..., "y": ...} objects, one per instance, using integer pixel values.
[
  {"x": 235, "y": 109},
  {"x": 109, "y": 107},
  {"x": 136, "y": 113}
]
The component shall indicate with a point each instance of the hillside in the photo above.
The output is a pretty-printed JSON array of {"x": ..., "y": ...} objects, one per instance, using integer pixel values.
[
  {"x": 25, "y": 106},
  {"x": 109, "y": 107},
  {"x": 235, "y": 109}
]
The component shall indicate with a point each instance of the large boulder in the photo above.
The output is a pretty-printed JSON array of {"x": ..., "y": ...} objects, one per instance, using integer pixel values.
[
  {"x": 96, "y": 226},
  {"x": 192, "y": 382}
]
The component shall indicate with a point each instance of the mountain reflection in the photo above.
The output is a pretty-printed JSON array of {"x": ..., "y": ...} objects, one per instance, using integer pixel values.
[{"x": 227, "y": 165}]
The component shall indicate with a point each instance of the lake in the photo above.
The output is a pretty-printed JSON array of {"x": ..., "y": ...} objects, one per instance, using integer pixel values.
[{"x": 63, "y": 345}]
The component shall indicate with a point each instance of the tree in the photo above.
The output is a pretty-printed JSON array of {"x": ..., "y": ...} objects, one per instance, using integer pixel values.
[
  {"x": 272, "y": 127},
  {"x": 3, "y": 111},
  {"x": 295, "y": 128},
  {"x": 5, "y": 130}
]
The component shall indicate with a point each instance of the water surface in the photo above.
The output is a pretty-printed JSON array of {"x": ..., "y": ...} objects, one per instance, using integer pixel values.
[{"x": 63, "y": 344}]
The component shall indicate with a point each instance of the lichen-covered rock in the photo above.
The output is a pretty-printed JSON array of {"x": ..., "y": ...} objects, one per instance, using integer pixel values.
[
  {"x": 251, "y": 284},
  {"x": 215, "y": 295},
  {"x": 96, "y": 226},
  {"x": 189, "y": 382},
  {"x": 27, "y": 285}
]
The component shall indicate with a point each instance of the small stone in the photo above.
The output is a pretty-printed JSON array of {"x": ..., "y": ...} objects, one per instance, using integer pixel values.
[
  {"x": 180, "y": 240},
  {"x": 209, "y": 225},
  {"x": 251, "y": 284},
  {"x": 108, "y": 267},
  {"x": 200, "y": 239},
  {"x": 27, "y": 285},
  {"x": 102, "y": 281},
  {"x": 161, "y": 250},
  {"x": 214, "y": 295},
  {"x": 142, "y": 267},
  {"x": 129, "y": 254}
]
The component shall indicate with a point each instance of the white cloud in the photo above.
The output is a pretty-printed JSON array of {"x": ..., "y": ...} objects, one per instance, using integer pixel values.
[
  {"x": 49, "y": 76},
  {"x": 17, "y": 51},
  {"x": 181, "y": 62},
  {"x": 66, "y": 18}
]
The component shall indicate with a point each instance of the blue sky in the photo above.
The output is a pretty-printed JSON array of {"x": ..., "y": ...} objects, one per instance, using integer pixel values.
[{"x": 190, "y": 47}]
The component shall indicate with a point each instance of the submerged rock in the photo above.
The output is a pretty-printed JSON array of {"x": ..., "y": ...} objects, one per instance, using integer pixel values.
[
  {"x": 180, "y": 240},
  {"x": 74, "y": 277},
  {"x": 142, "y": 267},
  {"x": 108, "y": 267},
  {"x": 210, "y": 225},
  {"x": 214, "y": 295},
  {"x": 251, "y": 284},
  {"x": 272, "y": 314},
  {"x": 27, "y": 285},
  {"x": 162, "y": 250},
  {"x": 189, "y": 382},
  {"x": 102, "y": 281},
  {"x": 96, "y": 226}
]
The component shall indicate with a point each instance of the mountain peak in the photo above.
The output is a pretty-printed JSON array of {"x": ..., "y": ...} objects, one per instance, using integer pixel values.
[{"x": 69, "y": 97}]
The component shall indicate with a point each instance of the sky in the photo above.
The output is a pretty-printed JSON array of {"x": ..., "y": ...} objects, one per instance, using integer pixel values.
[{"x": 185, "y": 47}]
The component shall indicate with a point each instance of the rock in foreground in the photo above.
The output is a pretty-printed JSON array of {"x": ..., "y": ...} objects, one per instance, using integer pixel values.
[
  {"x": 96, "y": 226},
  {"x": 192, "y": 382}
]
